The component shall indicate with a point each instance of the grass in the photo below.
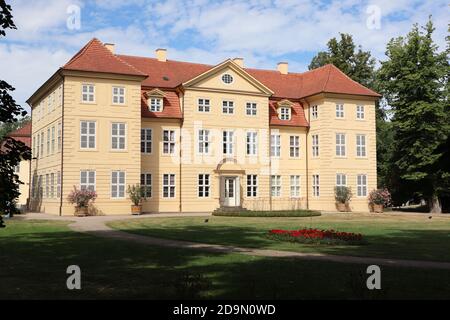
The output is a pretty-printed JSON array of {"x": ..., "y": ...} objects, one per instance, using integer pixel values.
[
  {"x": 35, "y": 255},
  {"x": 402, "y": 237},
  {"x": 280, "y": 213}
]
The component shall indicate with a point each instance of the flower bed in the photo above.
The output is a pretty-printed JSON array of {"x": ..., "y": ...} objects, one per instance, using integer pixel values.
[{"x": 307, "y": 235}]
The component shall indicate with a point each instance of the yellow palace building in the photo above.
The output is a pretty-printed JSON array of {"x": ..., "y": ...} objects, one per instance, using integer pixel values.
[{"x": 200, "y": 137}]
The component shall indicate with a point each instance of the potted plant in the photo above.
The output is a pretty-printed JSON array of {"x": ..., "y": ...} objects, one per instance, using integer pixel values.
[
  {"x": 137, "y": 194},
  {"x": 342, "y": 195},
  {"x": 81, "y": 199},
  {"x": 378, "y": 199}
]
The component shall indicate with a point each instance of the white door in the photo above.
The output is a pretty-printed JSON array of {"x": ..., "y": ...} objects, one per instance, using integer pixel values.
[{"x": 229, "y": 192}]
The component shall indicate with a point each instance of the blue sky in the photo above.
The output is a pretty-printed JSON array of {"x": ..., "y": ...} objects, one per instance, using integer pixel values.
[{"x": 263, "y": 32}]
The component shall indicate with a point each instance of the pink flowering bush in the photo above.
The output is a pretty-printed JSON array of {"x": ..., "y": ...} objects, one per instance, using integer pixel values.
[
  {"x": 81, "y": 198},
  {"x": 380, "y": 197},
  {"x": 308, "y": 235}
]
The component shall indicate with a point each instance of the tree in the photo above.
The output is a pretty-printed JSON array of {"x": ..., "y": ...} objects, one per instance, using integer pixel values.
[
  {"x": 12, "y": 151},
  {"x": 8, "y": 127},
  {"x": 359, "y": 65},
  {"x": 414, "y": 81}
]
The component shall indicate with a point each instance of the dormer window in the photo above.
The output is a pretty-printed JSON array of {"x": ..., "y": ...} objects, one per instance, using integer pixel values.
[
  {"x": 156, "y": 104},
  {"x": 285, "y": 113},
  {"x": 155, "y": 100}
]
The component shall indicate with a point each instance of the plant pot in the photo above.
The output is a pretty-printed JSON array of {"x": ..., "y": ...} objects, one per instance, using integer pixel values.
[
  {"x": 81, "y": 211},
  {"x": 136, "y": 210},
  {"x": 378, "y": 208},
  {"x": 342, "y": 207}
]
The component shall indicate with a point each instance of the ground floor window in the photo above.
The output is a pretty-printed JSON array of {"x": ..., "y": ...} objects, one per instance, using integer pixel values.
[
  {"x": 295, "y": 186},
  {"x": 146, "y": 182},
  {"x": 58, "y": 184},
  {"x": 87, "y": 180},
  {"x": 203, "y": 185},
  {"x": 341, "y": 180},
  {"x": 316, "y": 185},
  {"x": 252, "y": 185},
  {"x": 118, "y": 184},
  {"x": 168, "y": 185},
  {"x": 361, "y": 185},
  {"x": 52, "y": 185},
  {"x": 275, "y": 186}
]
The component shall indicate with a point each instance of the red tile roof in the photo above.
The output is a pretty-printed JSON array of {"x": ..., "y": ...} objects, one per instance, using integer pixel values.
[
  {"x": 298, "y": 118},
  {"x": 22, "y": 134},
  {"x": 95, "y": 57}
]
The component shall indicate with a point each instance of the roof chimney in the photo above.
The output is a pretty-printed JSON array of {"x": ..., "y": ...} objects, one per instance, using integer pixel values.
[
  {"x": 282, "y": 67},
  {"x": 161, "y": 55},
  {"x": 111, "y": 47},
  {"x": 239, "y": 62}
]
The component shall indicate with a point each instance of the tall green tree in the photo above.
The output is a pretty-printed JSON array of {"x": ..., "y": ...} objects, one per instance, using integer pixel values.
[
  {"x": 8, "y": 127},
  {"x": 414, "y": 81},
  {"x": 11, "y": 151}
]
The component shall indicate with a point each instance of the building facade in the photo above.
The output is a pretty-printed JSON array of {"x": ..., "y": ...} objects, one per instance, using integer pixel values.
[{"x": 200, "y": 137}]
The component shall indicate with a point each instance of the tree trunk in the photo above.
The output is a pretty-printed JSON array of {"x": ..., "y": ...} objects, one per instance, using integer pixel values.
[{"x": 435, "y": 204}]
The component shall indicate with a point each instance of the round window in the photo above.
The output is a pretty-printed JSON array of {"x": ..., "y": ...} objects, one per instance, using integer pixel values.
[{"x": 227, "y": 78}]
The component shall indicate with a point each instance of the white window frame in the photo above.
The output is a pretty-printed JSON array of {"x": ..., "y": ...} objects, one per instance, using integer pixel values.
[
  {"x": 119, "y": 185},
  {"x": 227, "y": 107},
  {"x": 340, "y": 111},
  {"x": 147, "y": 182},
  {"x": 295, "y": 186},
  {"x": 229, "y": 76},
  {"x": 53, "y": 139},
  {"x": 252, "y": 143},
  {"x": 203, "y": 141},
  {"x": 48, "y": 141},
  {"x": 285, "y": 113},
  {"x": 87, "y": 94},
  {"x": 228, "y": 142},
  {"x": 168, "y": 141},
  {"x": 315, "y": 112},
  {"x": 361, "y": 185},
  {"x": 89, "y": 181},
  {"x": 341, "y": 180},
  {"x": 294, "y": 146},
  {"x": 341, "y": 145},
  {"x": 88, "y": 134},
  {"x": 251, "y": 108},
  {"x": 146, "y": 141},
  {"x": 52, "y": 185},
  {"x": 315, "y": 145},
  {"x": 170, "y": 186},
  {"x": 118, "y": 93},
  {"x": 360, "y": 112},
  {"x": 275, "y": 145},
  {"x": 204, "y": 185},
  {"x": 59, "y": 136},
  {"x": 58, "y": 184},
  {"x": 203, "y": 105},
  {"x": 361, "y": 146},
  {"x": 275, "y": 186},
  {"x": 42, "y": 144},
  {"x": 155, "y": 104},
  {"x": 252, "y": 186},
  {"x": 316, "y": 185},
  {"x": 47, "y": 177},
  {"x": 119, "y": 137}
]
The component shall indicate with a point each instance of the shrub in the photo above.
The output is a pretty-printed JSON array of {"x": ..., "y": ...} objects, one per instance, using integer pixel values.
[
  {"x": 81, "y": 198},
  {"x": 342, "y": 194},
  {"x": 380, "y": 197},
  {"x": 308, "y": 235},
  {"x": 136, "y": 193}
]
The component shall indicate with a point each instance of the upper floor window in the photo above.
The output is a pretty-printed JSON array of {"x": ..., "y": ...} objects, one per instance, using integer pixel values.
[
  {"x": 252, "y": 143},
  {"x": 156, "y": 104},
  {"x": 53, "y": 139},
  {"x": 315, "y": 145},
  {"x": 360, "y": 112},
  {"x": 250, "y": 109},
  {"x": 228, "y": 107},
  {"x": 118, "y": 95},
  {"x": 48, "y": 142},
  {"x": 315, "y": 112},
  {"x": 203, "y": 141},
  {"x": 17, "y": 168},
  {"x": 87, "y": 134},
  {"x": 88, "y": 93},
  {"x": 275, "y": 145},
  {"x": 227, "y": 142},
  {"x": 227, "y": 78},
  {"x": 146, "y": 140},
  {"x": 42, "y": 144},
  {"x": 340, "y": 144},
  {"x": 118, "y": 136},
  {"x": 49, "y": 103},
  {"x": 204, "y": 105},
  {"x": 59, "y": 136},
  {"x": 168, "y": 142},
  {"x": 339, "y": 110},
  {"x": 285, "y": 113},
  {"x": 87, "y": 180},
  {"x": 294, "y": 146},
  {"x": 360, "y": 145}
]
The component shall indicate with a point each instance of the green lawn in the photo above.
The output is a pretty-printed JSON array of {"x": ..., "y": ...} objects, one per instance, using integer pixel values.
[
  {"x": 35, "y": 255},
  {"x": 403, "y": 237}
]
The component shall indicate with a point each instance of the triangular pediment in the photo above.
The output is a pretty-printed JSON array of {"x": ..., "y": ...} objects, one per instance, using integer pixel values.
[{"x": 238, "y": 80}]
